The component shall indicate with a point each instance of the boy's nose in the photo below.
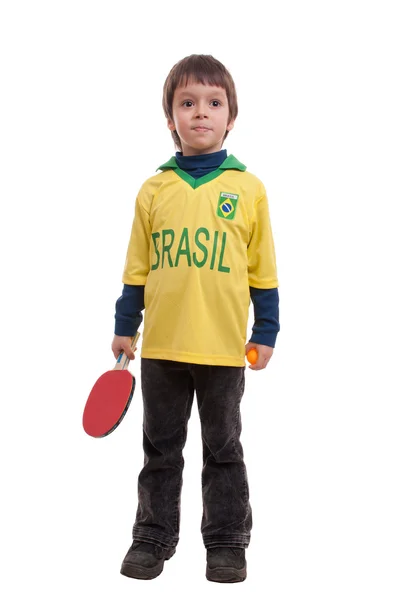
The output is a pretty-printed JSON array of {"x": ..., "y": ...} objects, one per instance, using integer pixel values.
[{"x": 201, "y": 111}]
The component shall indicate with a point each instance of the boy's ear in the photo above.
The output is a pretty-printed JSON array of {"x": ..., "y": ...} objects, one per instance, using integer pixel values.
[
  {"x": 231, "y": 124},
  {"x": 171, "y": 125}
]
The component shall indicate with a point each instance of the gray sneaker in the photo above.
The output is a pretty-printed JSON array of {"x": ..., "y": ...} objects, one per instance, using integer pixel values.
[
  {"x": 145, "y": 560},
  {"x": 226, "y": 565}
]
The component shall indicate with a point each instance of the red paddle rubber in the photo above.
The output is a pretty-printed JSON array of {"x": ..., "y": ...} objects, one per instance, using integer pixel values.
[{"x": 108, "y": 402}]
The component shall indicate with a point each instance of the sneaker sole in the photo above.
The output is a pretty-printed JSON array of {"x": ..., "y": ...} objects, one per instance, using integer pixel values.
[
  {"x": 139, "y": 572},
  {"x": 226, "y": 574}
]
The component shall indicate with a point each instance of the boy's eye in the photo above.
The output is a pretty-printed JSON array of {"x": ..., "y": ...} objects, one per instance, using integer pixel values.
[{"x": 189, "y": 103}]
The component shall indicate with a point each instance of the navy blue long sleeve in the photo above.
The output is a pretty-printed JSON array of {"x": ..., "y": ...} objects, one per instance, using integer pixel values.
[
  {"x": 129, "y": 307},
  {"x": 266, "y": 316}
]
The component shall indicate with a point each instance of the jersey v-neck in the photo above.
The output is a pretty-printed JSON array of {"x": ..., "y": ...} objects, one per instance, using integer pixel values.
[{"x": 229, "y": 163}]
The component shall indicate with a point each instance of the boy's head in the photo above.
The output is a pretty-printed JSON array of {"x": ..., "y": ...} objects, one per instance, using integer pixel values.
[{"x": 200, "y": 104}]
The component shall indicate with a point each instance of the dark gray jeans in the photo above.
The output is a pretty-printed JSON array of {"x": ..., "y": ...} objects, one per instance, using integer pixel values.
[{"x": 168, "y": 390}]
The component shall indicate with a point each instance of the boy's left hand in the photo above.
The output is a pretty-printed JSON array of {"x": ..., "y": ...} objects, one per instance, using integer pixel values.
[{"x": 264, "y": 355}]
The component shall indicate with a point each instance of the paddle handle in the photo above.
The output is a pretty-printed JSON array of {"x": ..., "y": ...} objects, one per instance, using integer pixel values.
[{"x": 123, "y": 361}]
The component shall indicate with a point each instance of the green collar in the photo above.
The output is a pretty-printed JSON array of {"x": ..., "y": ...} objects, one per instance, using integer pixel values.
[{"x": 229, "y": 163}]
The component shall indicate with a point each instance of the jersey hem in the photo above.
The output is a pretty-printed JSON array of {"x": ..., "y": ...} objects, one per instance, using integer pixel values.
[
  {"x": 134, "y": 280},
  {"x": 267, "y": 285},
  {"x": 189, "y": 357}
]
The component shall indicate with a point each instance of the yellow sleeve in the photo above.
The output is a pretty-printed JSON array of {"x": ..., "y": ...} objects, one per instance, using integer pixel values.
[
  {"x": 137, "y": 265},
  {"x": 261, "y": 259}
]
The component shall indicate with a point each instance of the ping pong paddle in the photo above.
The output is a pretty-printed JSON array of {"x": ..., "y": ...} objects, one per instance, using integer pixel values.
[{"x": 110, "y": 398}]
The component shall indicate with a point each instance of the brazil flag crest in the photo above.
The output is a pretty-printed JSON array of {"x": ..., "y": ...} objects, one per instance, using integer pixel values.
[{"x": 226, "y": 207}]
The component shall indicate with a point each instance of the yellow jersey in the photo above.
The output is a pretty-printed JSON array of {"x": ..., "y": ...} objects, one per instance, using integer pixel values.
[{"x": 197, "y": 245}]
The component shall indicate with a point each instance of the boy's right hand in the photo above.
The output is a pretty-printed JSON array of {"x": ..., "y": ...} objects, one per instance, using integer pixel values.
[{"x": 122, "y": 343}]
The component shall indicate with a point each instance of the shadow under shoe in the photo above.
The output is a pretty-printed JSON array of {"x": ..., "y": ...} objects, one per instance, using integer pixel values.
[
  {"x": 226, "y": 565},
  {"x": 144, "y": 560}
]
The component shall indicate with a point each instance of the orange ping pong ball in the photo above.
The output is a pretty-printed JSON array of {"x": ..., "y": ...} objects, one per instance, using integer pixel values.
[{"x": 252, "y": 356}]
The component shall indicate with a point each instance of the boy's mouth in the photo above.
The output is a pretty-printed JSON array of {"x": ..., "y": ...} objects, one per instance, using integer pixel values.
[{"x": 201, "y": 129}]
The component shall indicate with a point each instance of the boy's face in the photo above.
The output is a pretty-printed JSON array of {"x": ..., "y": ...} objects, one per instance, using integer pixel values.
[{"x": 200, "y": 117}]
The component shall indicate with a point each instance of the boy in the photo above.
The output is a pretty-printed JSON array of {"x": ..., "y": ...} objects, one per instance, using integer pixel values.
[{"x": 201, "y": 246}]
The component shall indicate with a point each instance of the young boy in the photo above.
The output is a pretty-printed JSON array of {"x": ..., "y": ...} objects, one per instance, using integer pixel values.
[{"x": 201, "y": 246}]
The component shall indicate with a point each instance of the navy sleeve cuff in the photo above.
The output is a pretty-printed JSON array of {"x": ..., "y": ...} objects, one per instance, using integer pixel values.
[
  {"x": 266, "y": 316},
  {"x": 129, "y": 307}
]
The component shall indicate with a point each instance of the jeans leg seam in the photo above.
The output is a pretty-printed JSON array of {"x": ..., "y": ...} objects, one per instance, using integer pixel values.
[{"x": 182, "y": 442}]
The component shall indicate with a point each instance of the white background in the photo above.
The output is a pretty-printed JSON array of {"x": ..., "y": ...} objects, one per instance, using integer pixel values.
[{"x": 81, "y": 128}]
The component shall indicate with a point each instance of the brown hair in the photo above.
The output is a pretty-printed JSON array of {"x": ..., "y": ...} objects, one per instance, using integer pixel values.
[{"x": 200, "y": 68}]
